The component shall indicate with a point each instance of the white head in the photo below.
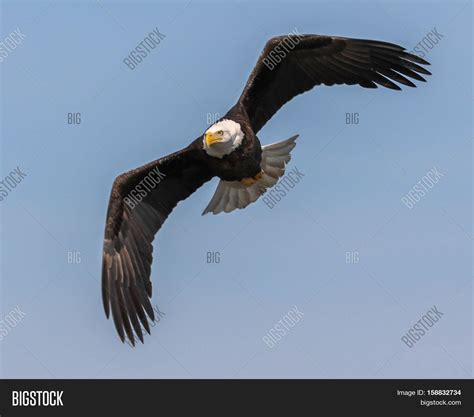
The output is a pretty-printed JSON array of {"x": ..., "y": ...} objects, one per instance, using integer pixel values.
[{"x": 222, "y": 138}]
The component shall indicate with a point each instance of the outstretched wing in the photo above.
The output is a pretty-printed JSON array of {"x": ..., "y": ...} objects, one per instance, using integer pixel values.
[
  {"x": 140, "y": 202},
  {"x": 290, "y": 65}
]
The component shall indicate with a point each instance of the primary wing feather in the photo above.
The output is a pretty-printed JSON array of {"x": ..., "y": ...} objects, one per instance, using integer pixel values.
[
  {"x": 130, "y": 230},
  {"x": 290, "y": 65}
]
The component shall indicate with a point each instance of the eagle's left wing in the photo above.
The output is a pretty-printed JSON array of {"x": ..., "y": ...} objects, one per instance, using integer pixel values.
[
  {"x": 290, "y": 65},
  {"x": 140, "y": 202}
]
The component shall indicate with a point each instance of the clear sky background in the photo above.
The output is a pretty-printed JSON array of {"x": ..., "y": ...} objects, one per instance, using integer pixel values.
[{"x": 270, "y": 259}]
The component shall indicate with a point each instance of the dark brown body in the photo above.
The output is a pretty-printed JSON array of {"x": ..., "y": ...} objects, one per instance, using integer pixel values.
[{"x": 244, "y": 162}]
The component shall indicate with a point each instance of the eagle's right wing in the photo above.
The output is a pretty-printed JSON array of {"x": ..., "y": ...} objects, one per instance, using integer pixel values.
[{"x": 140, "y": 202}]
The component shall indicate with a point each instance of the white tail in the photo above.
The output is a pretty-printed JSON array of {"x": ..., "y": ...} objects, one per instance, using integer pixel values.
[{"x": 230, "y": 195}]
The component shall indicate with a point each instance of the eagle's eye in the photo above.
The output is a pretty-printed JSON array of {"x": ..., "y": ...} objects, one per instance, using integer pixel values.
[{"x": 220, "y": 132}]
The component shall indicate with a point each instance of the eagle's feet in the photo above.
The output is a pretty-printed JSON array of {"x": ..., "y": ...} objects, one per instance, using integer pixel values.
[{"x": 248, "y": 181}]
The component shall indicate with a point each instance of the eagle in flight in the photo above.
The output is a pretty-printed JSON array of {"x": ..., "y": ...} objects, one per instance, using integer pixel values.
[{"x": 143, "y": 198}]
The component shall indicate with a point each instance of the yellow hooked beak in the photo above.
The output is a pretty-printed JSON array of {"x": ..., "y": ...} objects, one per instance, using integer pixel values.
[{"x": 212, "y": 138}]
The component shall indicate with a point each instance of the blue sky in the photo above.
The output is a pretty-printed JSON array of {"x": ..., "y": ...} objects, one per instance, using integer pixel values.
[{"x": 355, "y": 307}]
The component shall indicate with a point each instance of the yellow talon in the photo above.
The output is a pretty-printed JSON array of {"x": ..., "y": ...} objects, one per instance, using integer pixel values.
[{"x": 248, "y": 181}]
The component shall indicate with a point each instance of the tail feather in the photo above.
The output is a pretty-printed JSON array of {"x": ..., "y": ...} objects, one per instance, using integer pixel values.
[{"x": 231, "y": 195}]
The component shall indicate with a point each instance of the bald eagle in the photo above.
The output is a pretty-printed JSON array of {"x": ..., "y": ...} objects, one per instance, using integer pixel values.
[{"x": 143, "y": 198}]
